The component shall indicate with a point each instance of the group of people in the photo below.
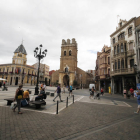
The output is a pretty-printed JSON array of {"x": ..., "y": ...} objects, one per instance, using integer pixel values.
[
  {"x": 128, "y": 93},
  {"x": 93, "y": 92},
  {"x": 21, "y": 95}
]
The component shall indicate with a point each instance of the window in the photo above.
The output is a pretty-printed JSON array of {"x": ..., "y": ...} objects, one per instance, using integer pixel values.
[
  {"x": 115, "y": 50},
  {"x": 130, "y": 31},
  {"x": 122, "y": 64},
  {"x": 64, "y": 53},
  {"x": 115, "y": 65},
  {"x": 7, "y": 70},
  {"x": 113, "y": 40},
  {"x": 121, "y": 36},
  {"x": 118, "y": 49},
  {"x": 121, "y": 47},
  {"x": 119, "y": 64},
  {"x": 121, "y": 24},
  {"x": 139, "y": 37},
  {"x": 109, "y": 60},
  {"x": 70, "y": 52},
  {"x": 131, "y": 46},
  {"x": 109, "y": 71},
  {"x": 131, "y": 63}
]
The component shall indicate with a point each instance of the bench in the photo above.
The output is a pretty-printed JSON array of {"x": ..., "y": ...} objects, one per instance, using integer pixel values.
[
  {"x": 9, "y": 101},
  {"x": 47, "y": 93},
  {"x": 37, "y": 103},
  {"x": 52, "y": 94}
]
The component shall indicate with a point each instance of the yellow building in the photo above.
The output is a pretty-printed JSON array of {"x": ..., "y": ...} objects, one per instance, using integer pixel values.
[
  {"x": 69, "y": 72},
  {"x": 18, "y": 71}
]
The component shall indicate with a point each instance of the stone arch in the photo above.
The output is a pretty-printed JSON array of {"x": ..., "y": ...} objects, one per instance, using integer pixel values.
[{"x": 66, "y": 80}]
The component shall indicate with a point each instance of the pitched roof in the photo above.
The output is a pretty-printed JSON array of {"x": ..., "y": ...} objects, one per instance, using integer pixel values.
[{"x": 20, "y": 49}]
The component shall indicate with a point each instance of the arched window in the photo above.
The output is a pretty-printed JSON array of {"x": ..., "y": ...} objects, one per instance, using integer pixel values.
[
  {"x": 70, "y": 52},
  {"x": 66, "y": 69},
  {"x": 121, "y": 47},
  {"x": 119, "y": 64},
  {"x": 118, "y": 48},
  {"x": 64, "y": 53},
  {"x": 122, "y": 64},
  {"x": 115, "y": 65}
]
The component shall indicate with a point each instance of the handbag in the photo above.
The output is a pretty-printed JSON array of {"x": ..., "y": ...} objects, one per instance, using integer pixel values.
[
  {"x": 13, "y": 105},
  {"x": 24, "y": 102}
]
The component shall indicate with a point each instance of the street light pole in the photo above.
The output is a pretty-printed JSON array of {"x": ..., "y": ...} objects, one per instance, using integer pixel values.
[{"x": 39, "y": 55}]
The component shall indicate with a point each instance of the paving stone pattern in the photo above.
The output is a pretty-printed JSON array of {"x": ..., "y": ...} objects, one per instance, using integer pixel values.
[{"x": 78, "y": 121}]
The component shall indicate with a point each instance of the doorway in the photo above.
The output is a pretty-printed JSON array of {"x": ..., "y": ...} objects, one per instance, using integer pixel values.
[
  {"x": 16, "y": 81},
  {"x": 66, "y": 80}
]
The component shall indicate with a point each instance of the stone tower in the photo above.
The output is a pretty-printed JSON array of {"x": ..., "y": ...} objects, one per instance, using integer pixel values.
[
  {"x": 20, "y": 56},
  {"x": 68, "y": 62}
]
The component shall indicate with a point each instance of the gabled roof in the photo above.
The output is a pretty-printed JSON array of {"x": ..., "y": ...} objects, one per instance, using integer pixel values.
[{"x": 20, "y": 49}]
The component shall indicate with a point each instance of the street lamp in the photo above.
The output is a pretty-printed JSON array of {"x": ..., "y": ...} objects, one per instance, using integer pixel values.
[{"x": 39, "y": 55}]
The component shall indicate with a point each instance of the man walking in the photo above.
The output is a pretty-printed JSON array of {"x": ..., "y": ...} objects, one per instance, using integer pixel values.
[{"x": 58, "y": 93}]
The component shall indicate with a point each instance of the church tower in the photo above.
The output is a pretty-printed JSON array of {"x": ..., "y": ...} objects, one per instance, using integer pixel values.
[
  {"x": 20, "y": 56},
  {"x": 68, "y": 62}
]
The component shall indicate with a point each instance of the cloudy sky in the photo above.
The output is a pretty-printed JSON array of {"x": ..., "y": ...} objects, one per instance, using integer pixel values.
[{"x": 47, "y": 22}]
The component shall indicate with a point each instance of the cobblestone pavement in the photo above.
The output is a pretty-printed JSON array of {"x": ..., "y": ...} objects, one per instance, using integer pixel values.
[{"x": 81, "y": 120}]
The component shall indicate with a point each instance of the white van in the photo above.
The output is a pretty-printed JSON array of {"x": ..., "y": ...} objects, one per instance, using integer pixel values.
[{"x": 90, "y": 86}]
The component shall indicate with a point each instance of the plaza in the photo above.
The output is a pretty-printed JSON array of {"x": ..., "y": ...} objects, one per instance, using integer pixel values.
[{"x": 111, "y": 117}]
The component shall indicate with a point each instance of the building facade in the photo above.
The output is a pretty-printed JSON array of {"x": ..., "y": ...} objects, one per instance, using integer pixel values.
[
  {"x": 69, "y": 72},
  {"x": 103, "y": 69},
  {"x": 43, "y": 73},
  {"x": 123, "y": 56},
  {"x": 18, "y": 71}
]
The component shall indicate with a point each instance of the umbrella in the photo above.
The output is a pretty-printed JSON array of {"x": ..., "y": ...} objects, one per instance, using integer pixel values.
[{"x": 3, "y": 79}]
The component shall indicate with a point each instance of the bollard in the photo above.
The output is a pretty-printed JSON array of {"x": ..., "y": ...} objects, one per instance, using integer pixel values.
[
  {"x": 73, "y": 99},
  {"x": 57, "y": 108},
  {"x": 67, "y": 102}
]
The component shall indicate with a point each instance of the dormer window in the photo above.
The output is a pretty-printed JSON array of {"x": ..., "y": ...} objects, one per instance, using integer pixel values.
[
  {"x": 70, "y": 52},
  {"x": 64, "y": 53},
  {"x": 130, "y": 31}
]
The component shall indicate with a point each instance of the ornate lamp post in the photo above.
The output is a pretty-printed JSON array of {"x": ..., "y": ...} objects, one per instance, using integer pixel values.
[{"x": 39, "y": 55}]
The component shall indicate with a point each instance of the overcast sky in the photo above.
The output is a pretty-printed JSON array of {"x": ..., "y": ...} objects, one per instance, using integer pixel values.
[{"x": 47, "y": 22}]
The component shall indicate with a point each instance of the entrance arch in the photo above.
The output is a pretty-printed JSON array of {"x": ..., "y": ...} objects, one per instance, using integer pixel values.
[{"x": 66, "y": 80}]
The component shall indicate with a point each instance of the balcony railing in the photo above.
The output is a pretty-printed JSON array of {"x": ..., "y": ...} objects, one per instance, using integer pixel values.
[
  {"x": 130, "y": 52},
  {"x": 123, "y": 71},
  {"x": 122, "y": 54}
]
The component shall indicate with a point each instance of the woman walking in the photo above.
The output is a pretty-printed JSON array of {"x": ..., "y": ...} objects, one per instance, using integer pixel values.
[
  {"x": 18, "y": 97},
  {"x": 92, "y": 92}
]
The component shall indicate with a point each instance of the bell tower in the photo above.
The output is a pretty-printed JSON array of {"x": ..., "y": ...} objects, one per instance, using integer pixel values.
[
  {"x": 68, "y": 62},
  {"x": 20, "y": 56}
]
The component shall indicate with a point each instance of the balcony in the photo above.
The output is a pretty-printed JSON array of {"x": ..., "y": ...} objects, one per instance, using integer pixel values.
[
  {"x": 122, "y": 54},
  {"x": 130, "y": 52},
  {"x": 123, "y": 71}
]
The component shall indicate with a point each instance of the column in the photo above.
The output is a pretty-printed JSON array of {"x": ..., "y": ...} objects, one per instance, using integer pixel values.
[{"x": 112, "y": 85}]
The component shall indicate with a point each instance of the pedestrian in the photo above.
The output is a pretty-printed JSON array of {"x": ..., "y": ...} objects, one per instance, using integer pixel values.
[
  {"x": 58, "y": 93},
  {"x": 63, "y": 89},
  {"x": 70, "y": 90},
  {"x": 102, "y": 91},
  {"x": 18, "y": 98},
  {"x": 132, "y": 92},
  {"x": 44, "y": 86},
  {"x": 92, "y": 92},
  {"x": 26, "y": 95},
  {"x": 124, "y": 92},
  {"x": 137, "y": 94}
]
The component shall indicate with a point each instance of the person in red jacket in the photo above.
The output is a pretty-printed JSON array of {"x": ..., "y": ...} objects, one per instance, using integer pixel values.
[
  {"x": 102, "y": 91},
  {"x": 132, "y": 92}
]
